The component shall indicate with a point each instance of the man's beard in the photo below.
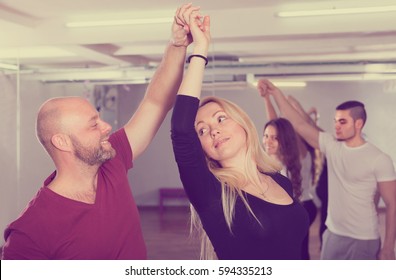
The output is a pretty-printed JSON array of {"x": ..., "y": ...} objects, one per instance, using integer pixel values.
[
  {"x": 92, "y": 155},
  {"x": 346, "y": 138}
]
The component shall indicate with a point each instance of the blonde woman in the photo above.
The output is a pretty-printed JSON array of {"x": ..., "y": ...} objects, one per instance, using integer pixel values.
[{"x": 242, "y": 207}]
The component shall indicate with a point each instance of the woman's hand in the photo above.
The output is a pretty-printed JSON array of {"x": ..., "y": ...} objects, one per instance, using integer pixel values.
[
  {"x": 196, "y": 27},
  {"x": 181, "y": 35},
  {"x": 266, "y": 88}
]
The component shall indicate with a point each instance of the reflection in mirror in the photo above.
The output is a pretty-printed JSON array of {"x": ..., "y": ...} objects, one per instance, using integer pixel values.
[{"x": 10, "y": 136}]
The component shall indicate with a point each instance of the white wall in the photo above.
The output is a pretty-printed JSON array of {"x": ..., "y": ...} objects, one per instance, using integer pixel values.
[{"x": 156, "y": 167}]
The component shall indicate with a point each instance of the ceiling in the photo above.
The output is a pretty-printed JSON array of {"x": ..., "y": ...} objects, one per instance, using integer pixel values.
[{"x": 248, "y": 40}]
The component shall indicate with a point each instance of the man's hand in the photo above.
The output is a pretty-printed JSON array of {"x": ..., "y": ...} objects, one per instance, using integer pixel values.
[
  {"x": 266, "y": 88},
  {"x": 181, "y": 35}
]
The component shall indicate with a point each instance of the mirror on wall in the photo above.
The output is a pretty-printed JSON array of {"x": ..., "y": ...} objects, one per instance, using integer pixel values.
[{"x": 10, "y": 137}]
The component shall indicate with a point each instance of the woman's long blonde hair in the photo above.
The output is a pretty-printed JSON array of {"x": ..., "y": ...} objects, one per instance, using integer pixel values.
[{"x": 232, "y": 180}]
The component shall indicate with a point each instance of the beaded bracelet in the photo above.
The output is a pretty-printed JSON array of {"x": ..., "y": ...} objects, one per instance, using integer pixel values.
[{"x": 197, "y": 55}]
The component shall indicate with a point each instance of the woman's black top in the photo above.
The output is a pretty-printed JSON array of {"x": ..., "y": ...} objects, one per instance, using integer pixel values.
[{"x": 283, "y": 227}]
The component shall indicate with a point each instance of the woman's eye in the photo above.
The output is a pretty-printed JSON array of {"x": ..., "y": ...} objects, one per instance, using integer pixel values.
[
  {"x": 221, "y": 118},
  {"x": 201, "y": 131}
]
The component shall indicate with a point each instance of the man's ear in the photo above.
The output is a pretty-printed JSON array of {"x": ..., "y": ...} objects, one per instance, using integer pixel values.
[
  {"x": 359, "y": 124},
  {"x": 61, "y": 142}
]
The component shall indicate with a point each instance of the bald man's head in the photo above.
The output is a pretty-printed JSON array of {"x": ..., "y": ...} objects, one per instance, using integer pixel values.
[{"x": 52, "y": 118}]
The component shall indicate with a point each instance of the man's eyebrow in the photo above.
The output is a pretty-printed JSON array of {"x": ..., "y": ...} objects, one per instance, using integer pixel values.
[{"x": 93, "y": 118}]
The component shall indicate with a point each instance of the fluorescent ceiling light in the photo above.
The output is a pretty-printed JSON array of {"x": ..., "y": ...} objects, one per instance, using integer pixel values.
[
  {"x": 251, "y": 79},
  {"x": 378, "y": 77},
  {"x": 34, "y": 52},
  {"x": 347, "y": 56},
  {"x": 336, "y": 11},
  {"x": 9, "y": 66},
  {"x": 350, "y": 77},
  {"x": 123, "y": 82},
  {"x": 376, "y": 47},
  {"x": 118, "y": 22},
  {"x": 231, "y": 85},
  {"x": 290, "y": 84},
  {"x": 285, "y": 83},
  {"x": 380, "y": 68}
]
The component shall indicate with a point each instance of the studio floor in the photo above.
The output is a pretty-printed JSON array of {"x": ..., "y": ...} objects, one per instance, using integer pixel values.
[{"x": 167, "y": 235}]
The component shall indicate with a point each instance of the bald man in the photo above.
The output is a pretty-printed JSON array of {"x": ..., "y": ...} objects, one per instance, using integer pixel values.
[{"x": 85, "y": 209}]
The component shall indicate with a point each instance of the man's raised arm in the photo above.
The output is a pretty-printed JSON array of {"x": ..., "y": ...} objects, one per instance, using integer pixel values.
[
  {"x": 161, "y": 91},
  {"x": 304, "y": 129}
]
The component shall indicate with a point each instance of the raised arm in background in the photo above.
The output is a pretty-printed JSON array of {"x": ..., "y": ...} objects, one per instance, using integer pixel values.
[
  {"x": 307, "y": 131},
  {"x": 271, "y": 112},
  {"x": 269, "y": 108},
  {"x": 305, "y": 114}
]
